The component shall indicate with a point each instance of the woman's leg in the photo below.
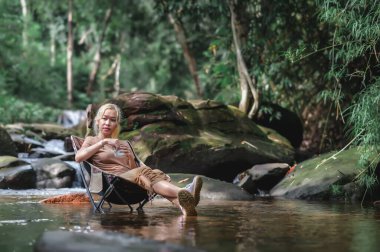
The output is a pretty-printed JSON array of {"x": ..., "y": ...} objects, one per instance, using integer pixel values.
[
  {"x": 182, "y": 198},
  {"x": 167, "y": 190}
]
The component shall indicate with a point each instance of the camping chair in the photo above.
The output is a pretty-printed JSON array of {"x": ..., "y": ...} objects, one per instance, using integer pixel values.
[{"x": 112, "y": 189}]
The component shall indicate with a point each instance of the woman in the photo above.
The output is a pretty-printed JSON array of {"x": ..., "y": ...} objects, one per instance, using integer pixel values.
[{"x": 115, "y": 157}]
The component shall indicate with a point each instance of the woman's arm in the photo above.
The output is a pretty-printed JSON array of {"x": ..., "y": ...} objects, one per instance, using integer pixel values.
[{"x": 86, "y": 152}]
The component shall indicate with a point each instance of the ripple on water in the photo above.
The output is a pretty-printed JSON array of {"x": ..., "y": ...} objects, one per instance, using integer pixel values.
[{"x": 22, "y": 221}]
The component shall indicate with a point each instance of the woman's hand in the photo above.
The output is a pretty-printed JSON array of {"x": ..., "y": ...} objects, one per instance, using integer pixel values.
[
  {"x": 111, "y": 141},
  {"x": 115, "y": 144}
]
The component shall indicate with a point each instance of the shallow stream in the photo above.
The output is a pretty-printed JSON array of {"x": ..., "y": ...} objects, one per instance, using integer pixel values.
[{"x": 259, "y": 225}]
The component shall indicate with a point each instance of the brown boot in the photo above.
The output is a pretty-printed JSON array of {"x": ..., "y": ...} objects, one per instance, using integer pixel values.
[
  {"x": 195, "y": 188},
  {"x": 187, "y": 203}
]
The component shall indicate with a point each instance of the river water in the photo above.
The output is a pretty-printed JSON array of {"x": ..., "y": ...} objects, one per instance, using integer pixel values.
[{"x": 259, "y": 225}]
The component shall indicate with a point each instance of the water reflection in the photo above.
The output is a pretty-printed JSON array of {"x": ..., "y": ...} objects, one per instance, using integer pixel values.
[{"x": 261, "y": 225}]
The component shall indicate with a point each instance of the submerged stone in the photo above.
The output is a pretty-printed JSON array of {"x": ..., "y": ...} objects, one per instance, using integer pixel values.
[{"x": 101, "y": 241}]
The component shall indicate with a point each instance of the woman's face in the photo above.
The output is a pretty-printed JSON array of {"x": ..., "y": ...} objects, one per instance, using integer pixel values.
[{"x": 108, "y": 122}]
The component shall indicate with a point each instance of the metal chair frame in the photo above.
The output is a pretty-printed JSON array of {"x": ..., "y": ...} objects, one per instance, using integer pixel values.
[{"x": 112, "y": 185}]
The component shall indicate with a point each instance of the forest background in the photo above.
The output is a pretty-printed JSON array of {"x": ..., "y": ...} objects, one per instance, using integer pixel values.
[{"x": 317, "y": 58}]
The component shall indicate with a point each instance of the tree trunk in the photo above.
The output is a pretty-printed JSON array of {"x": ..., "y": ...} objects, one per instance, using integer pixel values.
[
  {"x": 117, "y": 76},
  {"x": 70, "y": 54},
  {"x": 189, "y": 57},
  {"x": 114, "y": 69},
  {"x": 53, "y": 34},
  {"x": 24, "y": 9},
  {"x": 97, "y": 56},
  {"x": 247, "y": 83}
]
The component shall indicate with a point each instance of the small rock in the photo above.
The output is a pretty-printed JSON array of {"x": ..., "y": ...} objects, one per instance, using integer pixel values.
[{"x": 73, "y": 198}]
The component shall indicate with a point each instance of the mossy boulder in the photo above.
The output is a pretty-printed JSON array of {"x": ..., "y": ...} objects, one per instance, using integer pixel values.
[
  {"x": 326, "y": 177},
  {"x": 196, "y": 136}
]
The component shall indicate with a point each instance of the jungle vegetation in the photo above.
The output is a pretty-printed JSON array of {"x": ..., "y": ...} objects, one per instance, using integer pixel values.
[{"x": 318, "y": 58}]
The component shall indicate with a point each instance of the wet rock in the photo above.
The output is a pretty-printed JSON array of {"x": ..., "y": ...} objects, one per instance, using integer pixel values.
[
  {"x": 326, "y": 177},
  {"x": 352, "y": 192},
  {"x": 275, "y": 136},
  {"x": 10, "y": 161},
  {"x": 52, "y": 173},
  {"x": 71, "y": 198},
  {"x": 41, "y": 132},
  {"x": 51, "y": 148},
  {"x": 262, "y": 178},
  {"x": 7, "y": 147},
  {"x": 101, "y": 241},
  {"x": 212, "y": 188},
  {"x": 18, "y": 176}
]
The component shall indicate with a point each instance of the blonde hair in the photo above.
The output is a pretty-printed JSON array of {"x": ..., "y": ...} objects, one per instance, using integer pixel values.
[{"x": 99, "y": 114}]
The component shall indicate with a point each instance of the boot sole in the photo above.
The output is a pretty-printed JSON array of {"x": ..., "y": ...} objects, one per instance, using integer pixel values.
[{"x": 186, "y": 201}]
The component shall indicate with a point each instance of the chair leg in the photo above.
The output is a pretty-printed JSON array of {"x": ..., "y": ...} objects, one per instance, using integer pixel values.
[
  {"x": 100, "y": 204},
  {"x": 98, "y": 207},
  {"x": 94, "y": 205},
  {"x": 130, "y": 208},
  {"x": 140, "y": 209},
  {"x": 121, "y": 197},
  {"x": 142, "y": 204},
  {"x": 109, "y": 204}
]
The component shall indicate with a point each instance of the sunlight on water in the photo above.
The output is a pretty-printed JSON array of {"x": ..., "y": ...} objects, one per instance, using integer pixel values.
[{"x": 260, "y": 225}]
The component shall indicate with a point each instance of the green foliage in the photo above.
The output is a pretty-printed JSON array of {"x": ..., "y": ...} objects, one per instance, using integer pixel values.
[
  {"x": 219, "y": 75},
  {"x": 354, "y": 66},
  {"x": 365, "y": 119},
  {"x": 336, "y": 191},
  {"x": 14, "y": 110}
]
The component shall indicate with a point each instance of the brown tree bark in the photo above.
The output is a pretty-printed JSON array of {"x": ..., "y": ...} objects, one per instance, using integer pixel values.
[
  {"x": 249, "y": 102},
  {"x": 189, "y": 57},
  {"x": 97, "y": 56},
  {"x": 69, "y": 53}
]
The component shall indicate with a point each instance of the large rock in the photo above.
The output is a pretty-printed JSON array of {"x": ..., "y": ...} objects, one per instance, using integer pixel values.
[
  {"x": 16, "y": 174},
  {"x": 328, "y": 176},
  {"x": 53, "y": 173},
  {"x": 198, "y": 137},
  {"x": 40, "y": 140},
  {"x": 212, "y": 188},
  {"x": 7, "y": 147},
  {"x": 260, "y": 179},
  {"x": 41, "y": 132},
  {"x": 101, "y": 241}
]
